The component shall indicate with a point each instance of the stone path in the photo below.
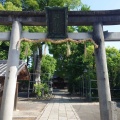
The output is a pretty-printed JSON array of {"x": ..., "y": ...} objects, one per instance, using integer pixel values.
[
  {"x": 62, "y": 107},
  {"x": 59, "y": 109}
]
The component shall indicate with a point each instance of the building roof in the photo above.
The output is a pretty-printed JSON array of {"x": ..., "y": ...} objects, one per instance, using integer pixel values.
[{"x": 22, "y": 70}]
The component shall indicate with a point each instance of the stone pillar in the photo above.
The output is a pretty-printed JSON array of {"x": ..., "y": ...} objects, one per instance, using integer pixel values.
[
  {"x": 112, "y": 110},
  {"x": 16, "y": 97},
  {"x": 11, "y": 74},
  {"x": 102, "y": 72}
]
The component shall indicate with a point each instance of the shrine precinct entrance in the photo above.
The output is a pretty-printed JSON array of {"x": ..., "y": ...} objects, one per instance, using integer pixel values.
[{"x": 59, "y": 18}]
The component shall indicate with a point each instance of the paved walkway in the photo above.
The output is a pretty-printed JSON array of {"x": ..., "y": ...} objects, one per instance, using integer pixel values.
[{"x": 59, "y": 109}]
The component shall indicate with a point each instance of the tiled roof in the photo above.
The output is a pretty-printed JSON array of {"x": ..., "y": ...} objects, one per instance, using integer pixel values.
[{"x": 3, "y": 66}]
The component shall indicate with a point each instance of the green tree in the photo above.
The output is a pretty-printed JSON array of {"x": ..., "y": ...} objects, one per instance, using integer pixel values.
[
  {"x": 36, "y": 5},
  {"x": 90, "y": 62},
  {"x": 31, "y": 5},
  {"x": 4, "y": 46},
  {"x": 11, "y": 7},
  {"x": 1, "y": 7},
  {"x": 71, "y": 67},
  {"x": 40, "y": 5},
  {"x": 113, "y": 62},
  {"x": 48, "y": 67},
  {"x": 17, "y": 3}
]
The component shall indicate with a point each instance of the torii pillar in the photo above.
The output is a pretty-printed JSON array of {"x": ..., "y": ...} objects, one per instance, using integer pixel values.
[
  {"x": 7, "y": 105},
  {"x": 102, "y": 72}
]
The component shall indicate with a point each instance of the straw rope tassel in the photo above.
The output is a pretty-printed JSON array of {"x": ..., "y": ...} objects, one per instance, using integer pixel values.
[
  {"x": 26, "y": 52},
  {"x": 85, "y": 51},
  {"x": 45, "y": 48},
  {"x": 68, "y": 49}
]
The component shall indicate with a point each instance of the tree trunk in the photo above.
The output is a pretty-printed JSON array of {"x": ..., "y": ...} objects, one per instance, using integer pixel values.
[{"x": 37, "y": 64}]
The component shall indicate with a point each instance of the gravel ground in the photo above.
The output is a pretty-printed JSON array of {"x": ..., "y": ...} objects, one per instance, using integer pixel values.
[
  {"x": 91, "y": 112},
  {"x": 29, "y": 109}
]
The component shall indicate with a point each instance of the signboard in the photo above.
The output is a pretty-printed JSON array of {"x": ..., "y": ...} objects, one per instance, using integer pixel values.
[{"x": 56, "y": 22}]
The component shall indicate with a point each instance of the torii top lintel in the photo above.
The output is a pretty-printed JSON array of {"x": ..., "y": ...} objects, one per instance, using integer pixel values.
[{"x": 75, "y": 18}]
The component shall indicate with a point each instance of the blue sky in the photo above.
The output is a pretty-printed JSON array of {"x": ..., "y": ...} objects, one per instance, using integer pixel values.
[
  {"x": 106, "y": 5},
  {"x": 102, "y": 4}
]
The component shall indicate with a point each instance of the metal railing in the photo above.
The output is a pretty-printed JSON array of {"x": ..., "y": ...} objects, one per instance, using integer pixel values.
[{"x": 89, "y": 89}]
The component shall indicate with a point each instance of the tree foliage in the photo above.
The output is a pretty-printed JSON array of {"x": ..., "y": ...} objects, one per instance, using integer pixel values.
[
  {"x": 70, "y": 67},
  {"x": 90, "y": 62},
  {"x": 4, "y": 46},
  {"x": 48, "y": 66},
  {"x": 17, "y": 3},
  {"x": 39, "y": 88},
  {"x": 10, "y": 6},
  {"x": 31, "y": 5},
  {"x": 1, "y": 7},
  {"x": 113, "y": 64},
  {"x": 113, "y": 61}
]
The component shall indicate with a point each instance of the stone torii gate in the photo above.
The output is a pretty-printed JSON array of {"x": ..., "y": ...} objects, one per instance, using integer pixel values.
[{"x": 75, "y": 18}]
